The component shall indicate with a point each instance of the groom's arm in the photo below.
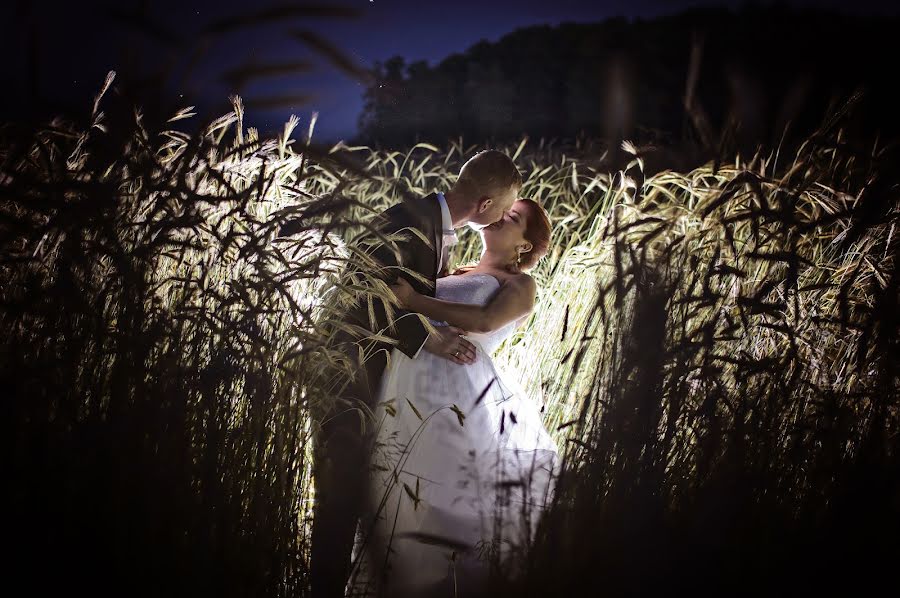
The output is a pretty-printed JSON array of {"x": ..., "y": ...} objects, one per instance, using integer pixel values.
[
  {"x": 513, "y": 301},
  {"x": 411, "y": 333}
]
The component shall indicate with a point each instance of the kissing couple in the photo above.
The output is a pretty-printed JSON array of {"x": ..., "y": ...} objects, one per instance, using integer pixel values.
[{"x": 456, "y": 466}]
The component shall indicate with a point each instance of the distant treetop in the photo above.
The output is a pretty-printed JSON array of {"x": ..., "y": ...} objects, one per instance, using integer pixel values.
[{"x": 758, "y": 69}]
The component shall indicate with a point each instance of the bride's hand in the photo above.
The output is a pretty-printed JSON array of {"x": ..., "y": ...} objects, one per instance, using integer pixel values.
[{"x": 403, "y": 290}]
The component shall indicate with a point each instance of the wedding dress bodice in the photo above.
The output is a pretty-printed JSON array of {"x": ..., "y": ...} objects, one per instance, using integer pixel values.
[{"x": 477, "y": 289}]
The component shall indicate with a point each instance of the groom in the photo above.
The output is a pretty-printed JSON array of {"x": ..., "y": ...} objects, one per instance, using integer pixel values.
[{"x": 487, "y": 185}]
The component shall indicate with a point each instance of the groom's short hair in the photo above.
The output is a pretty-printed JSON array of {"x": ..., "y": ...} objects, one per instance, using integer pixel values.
[{"x": 489, "y": 172}]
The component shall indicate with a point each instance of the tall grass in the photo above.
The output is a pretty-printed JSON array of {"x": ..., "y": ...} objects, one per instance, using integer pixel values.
[
  {"x": 161, "y": 347},
  {"x": 715, "y": 352},
  {"x": 726, "y": 380}
]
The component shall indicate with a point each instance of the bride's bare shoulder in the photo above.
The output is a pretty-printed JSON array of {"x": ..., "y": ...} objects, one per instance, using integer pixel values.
[{"x": 522, "y": 281}]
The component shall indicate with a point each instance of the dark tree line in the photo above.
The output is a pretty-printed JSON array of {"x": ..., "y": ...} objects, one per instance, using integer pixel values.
[{"x": 756, "y": 70}]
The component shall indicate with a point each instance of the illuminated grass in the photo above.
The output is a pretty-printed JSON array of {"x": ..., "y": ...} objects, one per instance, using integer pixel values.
[{"x": 722, "y": 336}]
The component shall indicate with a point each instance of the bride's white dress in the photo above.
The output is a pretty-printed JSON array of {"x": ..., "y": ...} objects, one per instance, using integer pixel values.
[{"x": 461, "y": 467}]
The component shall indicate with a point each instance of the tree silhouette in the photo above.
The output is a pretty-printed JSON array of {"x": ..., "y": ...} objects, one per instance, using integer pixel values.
[{"x": 759, "y": 70}]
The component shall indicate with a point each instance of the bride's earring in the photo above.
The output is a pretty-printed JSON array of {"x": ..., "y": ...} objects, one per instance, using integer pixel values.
[{"x": 519, "y": 253}]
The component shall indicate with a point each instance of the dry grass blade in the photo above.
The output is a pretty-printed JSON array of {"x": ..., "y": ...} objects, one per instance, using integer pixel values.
[
  {"x": 279, "y": 13},
  {"x": 280, "y": 101},
  {"x": 238, "y": 78},
  {"x": 334, "y": 55}
]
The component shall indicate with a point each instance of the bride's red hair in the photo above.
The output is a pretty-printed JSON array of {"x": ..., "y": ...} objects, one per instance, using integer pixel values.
[{"x": 537, "y": 232}]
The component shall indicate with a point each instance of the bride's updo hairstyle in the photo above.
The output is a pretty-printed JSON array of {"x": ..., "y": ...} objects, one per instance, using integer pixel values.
[{"x": 537, "y": 232}]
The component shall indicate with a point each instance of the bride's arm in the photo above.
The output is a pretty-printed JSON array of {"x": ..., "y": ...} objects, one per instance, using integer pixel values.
[{"x": 514, "y": 300}]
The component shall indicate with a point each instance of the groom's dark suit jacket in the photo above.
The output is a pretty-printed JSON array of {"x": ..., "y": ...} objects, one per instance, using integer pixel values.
[
  {"x": 424, "y": 214},
  {"x": 340, "y": 454}
]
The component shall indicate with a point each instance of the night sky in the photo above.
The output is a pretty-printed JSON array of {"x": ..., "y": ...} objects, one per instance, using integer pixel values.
[{"x": 76, "y": 43}]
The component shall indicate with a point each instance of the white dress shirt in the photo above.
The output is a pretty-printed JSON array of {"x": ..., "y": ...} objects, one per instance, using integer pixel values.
[
  {"x": 448, "y": 239},
  {"x": 448, "y": 236}
]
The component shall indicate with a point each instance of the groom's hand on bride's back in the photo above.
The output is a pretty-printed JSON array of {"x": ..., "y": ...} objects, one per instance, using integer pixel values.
[{"x": 449, "y": 344}]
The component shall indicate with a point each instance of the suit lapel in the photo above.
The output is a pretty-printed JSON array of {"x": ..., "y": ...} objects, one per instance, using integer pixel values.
[
  {"x": 437, "y": 229},
  {"x": 425, "y": 215}
]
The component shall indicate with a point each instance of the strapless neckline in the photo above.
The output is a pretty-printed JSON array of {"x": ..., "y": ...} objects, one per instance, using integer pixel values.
[
  {"x": 472, "y": 289},
  {"x": 497, "y": 280}
]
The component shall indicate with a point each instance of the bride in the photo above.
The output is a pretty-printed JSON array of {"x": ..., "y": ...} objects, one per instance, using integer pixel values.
[{"x": 461, "y": 466}]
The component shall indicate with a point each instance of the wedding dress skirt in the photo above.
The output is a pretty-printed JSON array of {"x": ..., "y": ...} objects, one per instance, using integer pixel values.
[{"x": 461, "y": 468}]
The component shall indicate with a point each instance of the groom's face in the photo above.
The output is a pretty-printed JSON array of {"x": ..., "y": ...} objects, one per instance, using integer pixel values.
[{"x": 492, "y": 209}]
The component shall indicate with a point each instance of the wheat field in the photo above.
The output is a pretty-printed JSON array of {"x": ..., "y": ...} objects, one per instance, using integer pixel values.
[{"x": 715, "y": 352}]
